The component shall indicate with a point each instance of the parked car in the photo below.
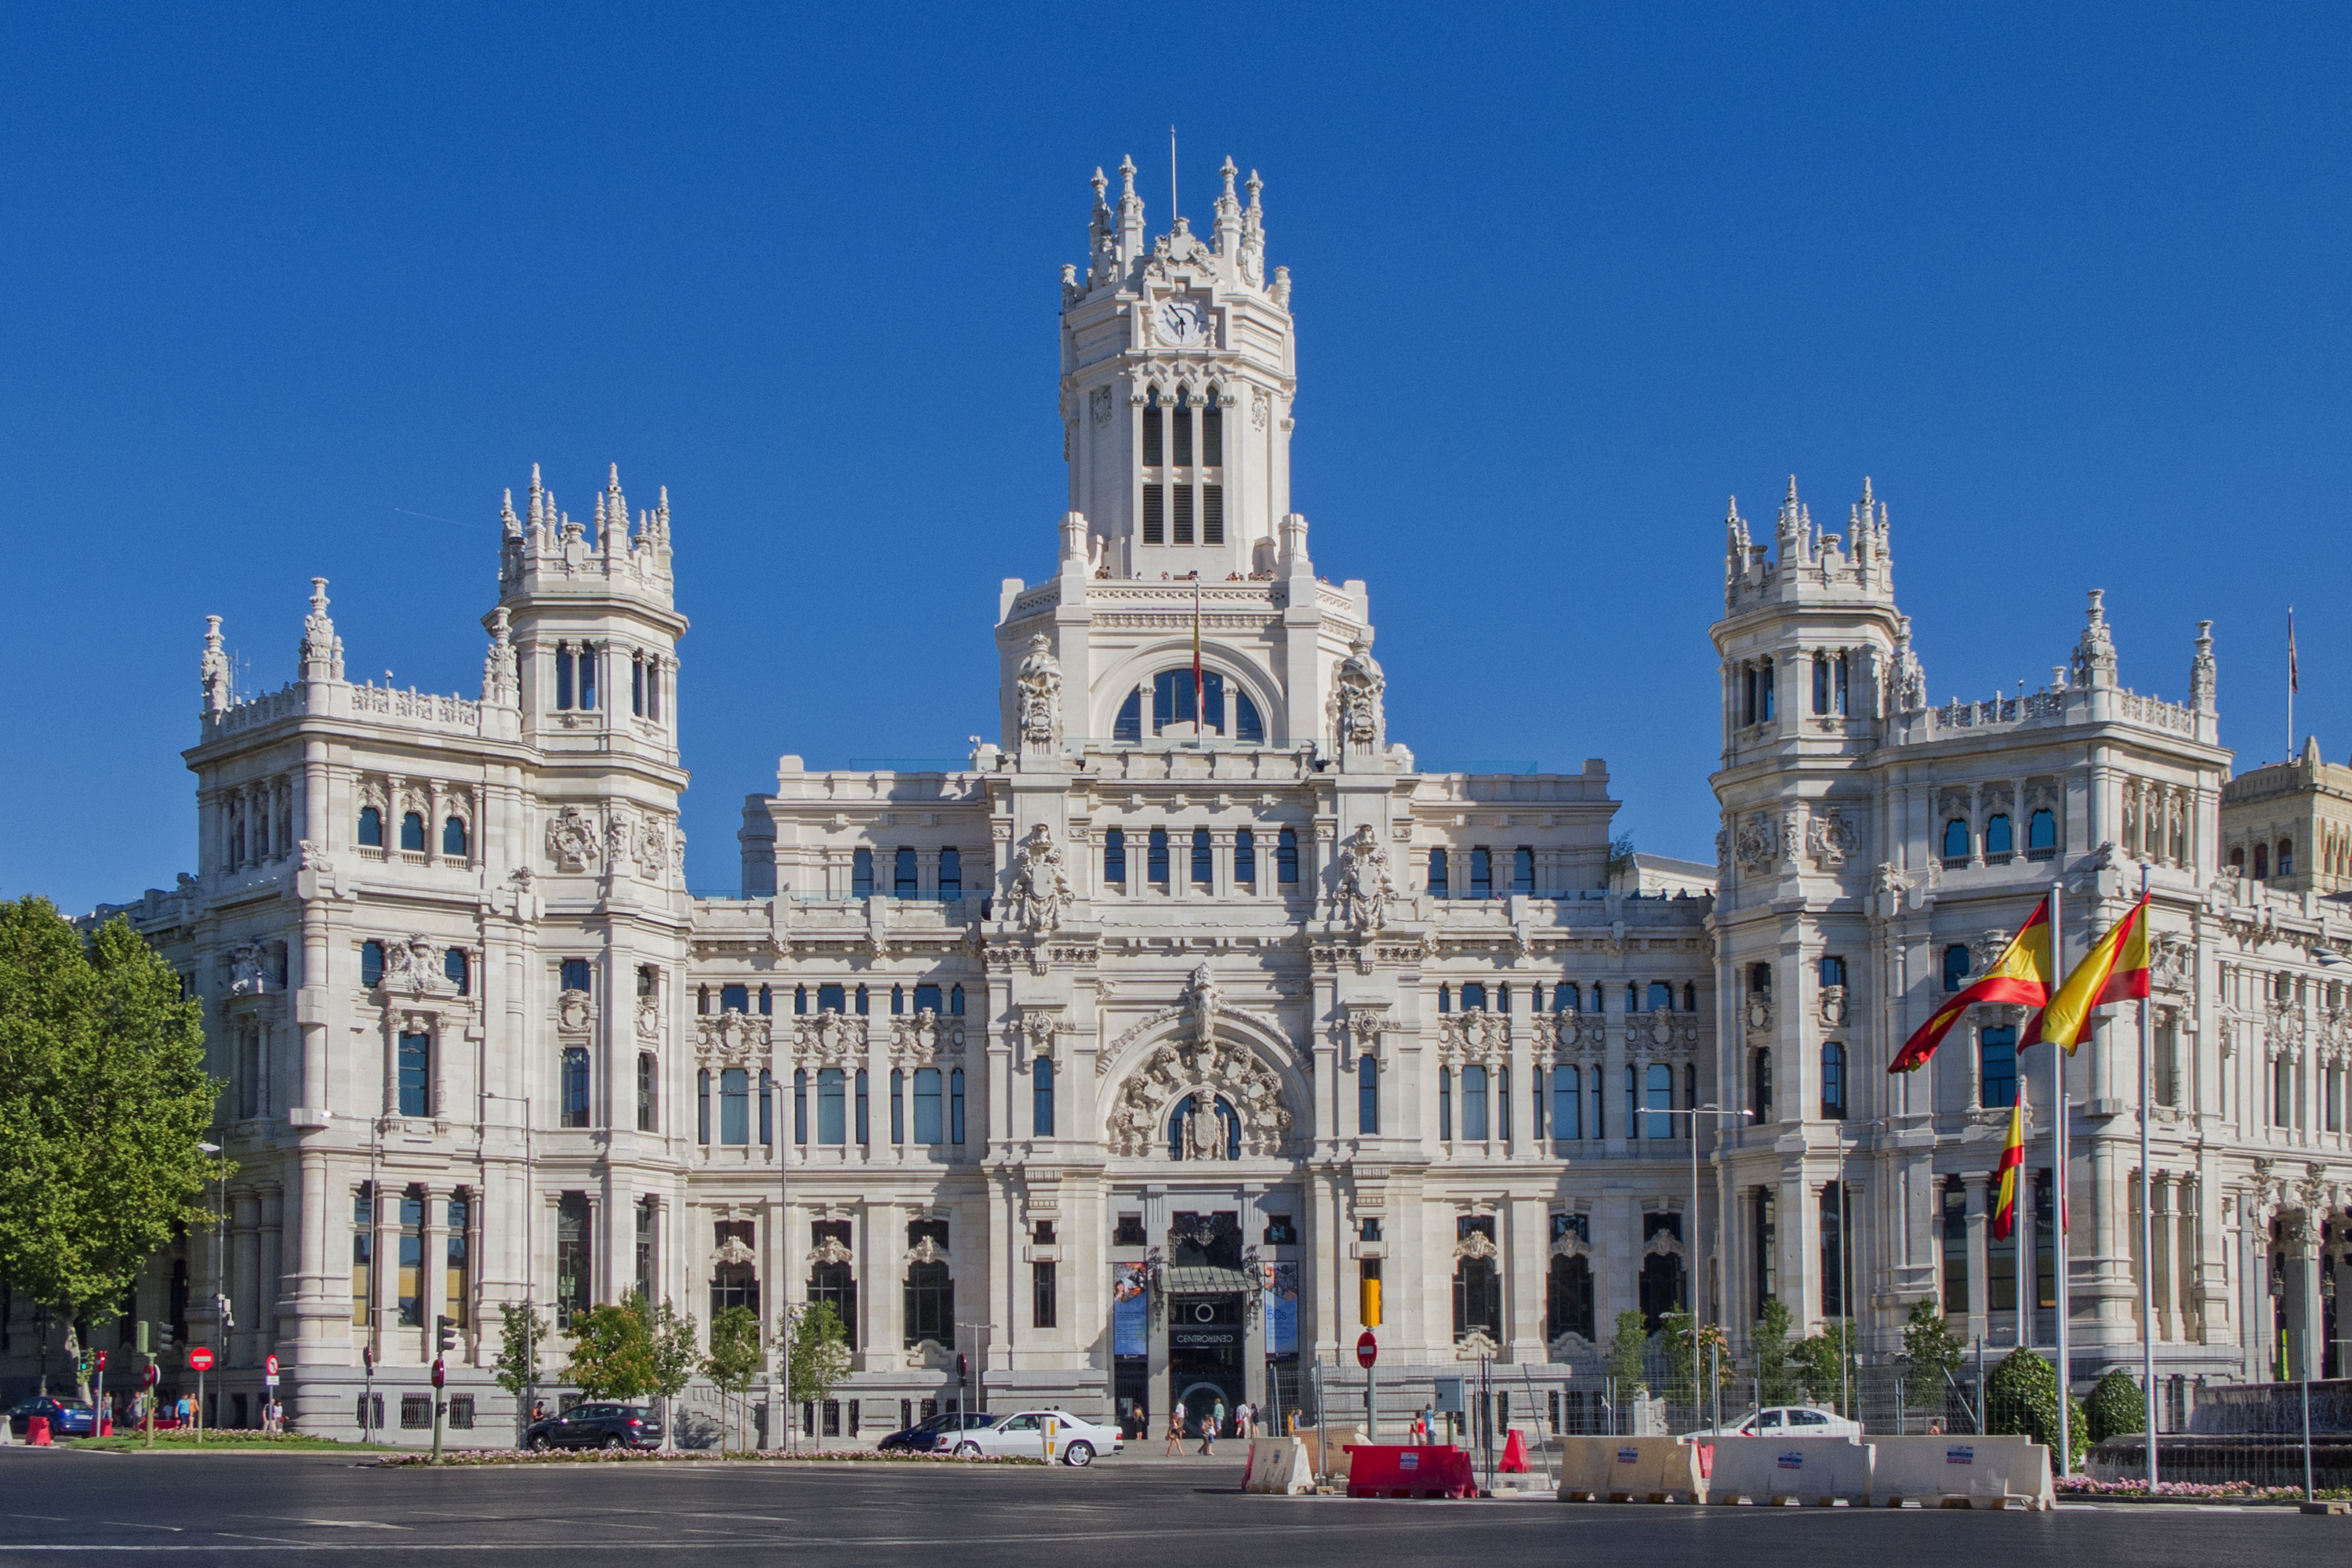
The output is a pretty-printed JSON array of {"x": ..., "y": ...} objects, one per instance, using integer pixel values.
[
  {"x": 596, "y": 1426},
  {"x": 1077, "y": 1441},
  {"x": 67, "y": 1417},
  {"x": 1787, "y": 1421},
  {"x": 936, "y": 1434}
]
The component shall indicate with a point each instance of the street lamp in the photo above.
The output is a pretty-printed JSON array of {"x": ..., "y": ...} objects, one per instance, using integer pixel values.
[
  {"x": 220, "y": 1233},
  {"x": 530, "y": 1258},
  {"x": 1698, "y": 1311}
]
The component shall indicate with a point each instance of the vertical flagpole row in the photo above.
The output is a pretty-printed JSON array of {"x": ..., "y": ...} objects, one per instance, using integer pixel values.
[
  {"x": 2058, "y": 1179},
  {"x": 2147, "y": 1221}
]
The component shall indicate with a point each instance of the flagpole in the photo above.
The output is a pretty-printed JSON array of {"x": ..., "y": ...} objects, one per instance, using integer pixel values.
[
  {"x": 1200, "y": 715},
  {"x": 2147, "y": 1226},
  {"x": 2058, "y": 1204},
  {"x": 2291, "y": 683}
]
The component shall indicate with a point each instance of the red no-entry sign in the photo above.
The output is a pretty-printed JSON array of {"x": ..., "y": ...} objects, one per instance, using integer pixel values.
[
  {"x": 1367, "y": 1349},
  {"x": 200, "y": 1358}
]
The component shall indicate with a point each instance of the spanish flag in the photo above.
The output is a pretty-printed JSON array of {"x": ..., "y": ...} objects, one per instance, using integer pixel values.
[
  {"x": 2114, "y": 970},
  {"x": 2012, "y": 1160},
  {"x": 2021, "y": 973}
]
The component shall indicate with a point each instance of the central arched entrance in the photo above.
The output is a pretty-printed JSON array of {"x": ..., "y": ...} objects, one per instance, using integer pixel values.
[{"x": 1205, "y": 1364}]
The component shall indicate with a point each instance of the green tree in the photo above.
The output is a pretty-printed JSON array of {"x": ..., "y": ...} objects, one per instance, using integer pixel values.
[
  {"x": 819, "y": 1347},
  {"x": 2021, "y": 1395},
  {"x": 522, "y": 1331},
  {"x": 612, "y": 1350},
  {"x": 1934, "y": 1350},
  {"x": 1620, "y": 858},
  {"x": 1626, "y": 1351},
  {"x": 734, "y": 1359},
  {"x": 103, "y": 1100},
  {"x": 677, "y": 1358},
  {"x": 1821, "y": 1361},
  {"x": 2115, "y": 1406},
  {"x": 1769, "y": 1343}
]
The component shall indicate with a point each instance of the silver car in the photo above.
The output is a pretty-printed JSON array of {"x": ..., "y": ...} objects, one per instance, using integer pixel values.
[{"x": 1076, "y": 1440}]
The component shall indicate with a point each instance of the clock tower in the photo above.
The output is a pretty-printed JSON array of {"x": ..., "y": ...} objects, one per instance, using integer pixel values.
[{"x": 1177, "y": 377}]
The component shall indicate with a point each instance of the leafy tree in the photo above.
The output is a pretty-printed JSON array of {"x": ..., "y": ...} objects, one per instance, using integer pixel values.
[
  {"x": 2115, "y": 1406},
  {"x": 103, "y": 1100},
  {"x": 1770, "y": 1342},
  {"x": 734, "y": 1359},
  {"x": 676, "y": 1359},
  {"x": 522, "y": 1331},
  {"x": 1934, "y": 1350},
  {"x": 1626, "y": 1351},
  {"x": 612, "y": 1350},
  {"x": 1620, "y": 858},
  {"x": 819, "y": 1347},
  {"x": 2021, "y": 1395},
  {"x": 1820, "y": 1360},
  {"x": 1691, "y": 1349}
]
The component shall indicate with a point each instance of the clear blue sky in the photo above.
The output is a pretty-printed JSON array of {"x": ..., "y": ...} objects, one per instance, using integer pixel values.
[{"x": 285, "y": 286}]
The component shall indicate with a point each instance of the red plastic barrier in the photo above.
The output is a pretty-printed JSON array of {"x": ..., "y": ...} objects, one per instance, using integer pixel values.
[
  {"x": 1515, "y": 1455},
  {"x": 106, "y": 1427},
  {"x": 36, "y": 1431},
  {"x": 1386, "y": 1470}
]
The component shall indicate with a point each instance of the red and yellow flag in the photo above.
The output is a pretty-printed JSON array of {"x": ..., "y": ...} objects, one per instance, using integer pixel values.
[
  {"x": 2012, "y": 1161},
  {"x": 2021, "y": 973},
  {"x": 2114, "y": 970}
]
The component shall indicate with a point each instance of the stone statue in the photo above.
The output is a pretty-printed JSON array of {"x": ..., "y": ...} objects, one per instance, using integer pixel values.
[
  {"x": 1365, "y": 886},
  {"x": 1040, "y": 884},
  {"x": 571, "y": 839},
  {"x": 1201, "y": 994},
  {"x": 216, "y": 671},
  {"x": 1359, "y": 726},
  {"x": 1038, "y": 685}
]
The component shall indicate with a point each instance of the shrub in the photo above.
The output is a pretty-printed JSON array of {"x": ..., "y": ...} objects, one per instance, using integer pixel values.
[
  {"x": 2021, "y": 1396},
  {"x": 2115, "y": 1406}
]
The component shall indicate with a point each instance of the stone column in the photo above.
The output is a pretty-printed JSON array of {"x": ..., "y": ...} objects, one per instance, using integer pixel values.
[
  {"x": 1527, "y": 1248},
  {"x": 273, "y": 1297}
]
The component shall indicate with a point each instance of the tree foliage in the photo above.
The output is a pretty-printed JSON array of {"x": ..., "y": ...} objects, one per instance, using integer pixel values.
[
  {"x": 1820, "y": 1360},
  {"x": 820, "y": 1351},
  {"x": 734, "y": 1358},
  {"x": 1934, "y": 1352},
  {"x": 2115, "y": 1406},
  {"x": 1626, "y": 1347},
  {"x": 2021, "y": 1395},
  {"x": 522, "y": 1331},
  {"x": 1768, "y": 1342},
  {"x": 103, "y": 1100},
  {"x": 612, "y": 1350},
  {"x": 678, "y": 1356}
]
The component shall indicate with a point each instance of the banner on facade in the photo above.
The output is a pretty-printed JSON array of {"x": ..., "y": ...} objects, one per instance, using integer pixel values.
[
  {"x": 1131, "y": 1315},
  {"x": 1281, "y": 1308}
]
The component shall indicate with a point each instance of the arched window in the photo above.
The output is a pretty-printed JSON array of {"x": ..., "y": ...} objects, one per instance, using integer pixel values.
[
  {"x": 1690, "y": 997},
  {"x": 1228, "y": 1124},
  {"x": 1955, "y": 840},
  {"x": 1445, "y": 998},
  {"x": 1566, "y": 997},
  {"x": 955, "y": 1095},
  {"x": 371, "y": 828},
  {"x": 2261, "y": 862},
  {"x": 1155, "y": 855},
  {"x": 2040, "y": 831},
  {"x": 1662, "y": 996},
  {"x": 832, "y": 999},
  {"x": 898, "y": 1000},
  {"x": 1473, "y": 997},
  {"x": 799, "y": 999},
  {"x": 1662, "y": 1271},
  {"x": 1437, "y": 885},
  {"x": 1368, "y": 1096},
  {"x": 1474, "y": 1102},
  {"x": 1129, "y": 726},
  {"x": 453, "y": 839},
  {"x": 1202, "y": 863},
  {"x": 800, "y": 1106},
  {"x": 412, "y": 832},
  {"x": 767, "y": 1108},
  {"x": 832, "y": 1110},
  {"x": 2237, "y": 860},
  {"x": 898, "y": 1105},
  {"x": 1245, "y": 859},
  {"x": 1955, "y": 966},
  {"x": 861, "y": 1001},
  {"x": 734, "y": 1106},
  {"x": 930, "y": 999},
  {"x": 1759, "y": 980},
  {"x": 1248, "y": 728},
  {"x": 1567, "y": 1102},
  {"x": 1114, "y": 856},
  {"x": 902, "y": 874},
  {"x": 1833, "y": 1081},
  {"x": 702, "y": 1105},
  {"x": 1764, "y": 692},
  {"x": 950, "y": 873},
  {"x": 1286, "y": 857},
  {"x": 2286, "y": 858},
  {"x": 371, "y": 962},
  {"x": 1759, "y": 1084},
  {"x": 930, "y": 1126},
  {"x": 1445, "y": 1103},
  {"x": 955, "y": 1009},
  {"x": 1477, "y": 1285},
  {"x": 1997, "y": 835},
  {"x": 1041, "y": 1098},
  {"x": 460, "y": 973},
  {"x": 767, "y": 1001},
  {"x": 734, "y": 998}
]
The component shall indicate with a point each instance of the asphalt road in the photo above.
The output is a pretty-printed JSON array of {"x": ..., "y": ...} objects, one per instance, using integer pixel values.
[{"x": 295, "y": 1509}]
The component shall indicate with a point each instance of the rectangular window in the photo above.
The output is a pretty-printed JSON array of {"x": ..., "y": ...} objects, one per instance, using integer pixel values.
[
  {"x": 1041, "y": 1070},
  {"x": 1155, "y": 859},
  {"x": 767, "y": 1093},
  {"x": 1763, "y": 1242},
  {"x": 562, "y": 674},
  {"x": 638, "y": 687},
  {"x": 861, "y": 874},
  {"x": 929, "y": 1123},
  {"x": 415, "y": 1411},
  {"x": 461, "y": 1412},
  {"x": 863, "y": 1137},
  {"x": 1114, "y": 856},
  {"x": 1567, "y": 1102},
  {"x": 1183, "y": 437},
  {"x": 1523, "y": 870},
  {"x": 832, "y": 999},
  {"x": 1201, "y": 862},
  {"x": 2045, "y": 1243},
  {"x": 574, "y": 1254},
  {"x": 577, "y": 974},
  {"x": 898, "y": 1106},
  {"x": 1445, "y": 1103},
  {"x": 902, "y": 874},
  {"x": 1245, "y": 859},
  {"x": 800, "y": 1106},
  {"x": 588, "y": 660},
  {"x": 415, "y": 1063},
  {"x": 955, "y": 1105},
  {"x": 927, "y": 999},
  {"x": 735, "y": 1106},
  {"x": 409, "y": 1284},
  {"x": 1473, "y": 1102},
  {"x": 645, "y": 1211},
  {"x": 832, "y": 1121},
  {"x": 1997, "y": 1067},
  {"x": 1212, "y": 513},
  {"x": 1438, "y": 882},
  {"x": 1482, "y": 874},
  {"x": 1368, "y": 1096},
  {"x": 1212, "y": 438},
  {"x": 1286, "y": 857},
  {"x": 950, "y": 874},
  {"x": 1154, "y": 512},
  {"x": 575, "y": 1086},
  {"x": 1184, "y": 512},
  {"x": 1833, "y": 1249},
  {"x": 1955, "y": 1251},
  {"x": 1040, "y": 1294},
  {"x": 363, "y": 1255},
  {"x": 1153, "y": 449},
  {"x": 648, "y": 1077},
  {"x": 456, "y": 1290}
]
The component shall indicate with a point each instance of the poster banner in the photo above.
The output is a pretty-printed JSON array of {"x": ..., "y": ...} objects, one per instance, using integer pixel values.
[
  {"x": 1281, "y": 1308},
  {"x": 1130, "y": 1314}
]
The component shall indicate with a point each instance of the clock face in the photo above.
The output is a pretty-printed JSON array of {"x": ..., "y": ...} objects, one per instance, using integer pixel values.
[{"x": 1182, "y": 323}]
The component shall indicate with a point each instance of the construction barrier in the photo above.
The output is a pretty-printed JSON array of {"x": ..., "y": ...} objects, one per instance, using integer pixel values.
[
  {"x": 1327, "y": 1447},
  {"x": 1408, "y": 1470},
  {"x": 36, "y": 1431},
  {"x": 1962, "y": 1472},
  {"x": 1515, "y": 1455},
  {"x": 1633, "y": 1469},
  {"x": 1280, "y": 1466},
  {"x": 1811, "y": 1471}
]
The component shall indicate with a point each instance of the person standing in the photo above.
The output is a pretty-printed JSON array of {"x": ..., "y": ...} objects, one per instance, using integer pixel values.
[{"x": 1175, "y": 1432}]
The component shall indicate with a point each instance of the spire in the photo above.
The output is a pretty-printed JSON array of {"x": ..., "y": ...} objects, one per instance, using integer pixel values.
[
  {"x": 501, "y": 683},
  {"x": 1130, "y": 214},
  {"x": 2094, "y": 655},
  {"x": 1229, "y": 214},
  {"x": 320, "y": 655},
  {"x": 512, "y": 524},
  {"x": 215, "y": 669},
  {"x": 538, "y": 499},
  {"x": 1101, "y": 184},
  {"x": 2203, "y": 671}
]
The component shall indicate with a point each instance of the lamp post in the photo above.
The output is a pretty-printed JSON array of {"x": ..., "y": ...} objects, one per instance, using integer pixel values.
[
  {"x": 530, "y": 1258},
  {"x": 220, "y": 1301},
  {"x": 786, "y": 1132},
  {"x": 1698, "y": 1311}
]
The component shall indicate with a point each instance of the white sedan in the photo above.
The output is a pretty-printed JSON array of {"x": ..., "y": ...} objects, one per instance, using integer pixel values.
[
  {"x": 1787, "y": 1421},
  {"x": 1077, "y": 1441}
]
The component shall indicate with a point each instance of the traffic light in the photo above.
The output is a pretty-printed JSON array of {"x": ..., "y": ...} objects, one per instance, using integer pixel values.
[
  {"x": 960, "y": 1366},
  {"x": 444, "y": 1334},
  {"x": 146, "y": 1337},
  {"x": 1370, "y": 1305},
  {"x": 227, "y": 1314},
  {"x": 101, "y": 1361},
  {"x": 163, "y": 1334},
  {"x": 367, "y": 1357}
]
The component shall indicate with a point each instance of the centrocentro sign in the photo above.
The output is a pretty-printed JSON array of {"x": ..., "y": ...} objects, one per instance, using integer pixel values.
[{"x": 1204, "y": 1339}]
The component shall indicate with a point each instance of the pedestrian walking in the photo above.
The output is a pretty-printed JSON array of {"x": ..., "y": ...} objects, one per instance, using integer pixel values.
[
  {"x": 1209, "y": 1433},
  {"x": 1175, "y": 1434}
]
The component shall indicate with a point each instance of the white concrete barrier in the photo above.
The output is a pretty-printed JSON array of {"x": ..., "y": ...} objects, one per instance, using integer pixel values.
[
  {"x": 1326, "y": 1448},
  {"x": 1631, "y": 1469},
  {"x": 1813, "y": 1471},
  {"x": 1962, "y": 1472},
  {"x": 1280, "y": 1466}
]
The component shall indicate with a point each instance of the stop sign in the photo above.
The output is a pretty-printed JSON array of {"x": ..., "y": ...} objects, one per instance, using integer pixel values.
[
  {"x": 1367, "y": 1349},
  {"x": 200, "y": 1358}
]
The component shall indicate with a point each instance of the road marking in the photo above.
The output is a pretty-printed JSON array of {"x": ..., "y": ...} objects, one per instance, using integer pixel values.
[
  {"x": 134, "y": 1524},
  {"x": 52, "y": 1518},
  {"x": 328, "y": 1523}
]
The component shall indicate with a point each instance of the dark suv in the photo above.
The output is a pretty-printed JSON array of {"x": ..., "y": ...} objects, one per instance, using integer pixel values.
[
  {"x": 935, "y": 1434},
  {"x": 596, "y": 1426}
]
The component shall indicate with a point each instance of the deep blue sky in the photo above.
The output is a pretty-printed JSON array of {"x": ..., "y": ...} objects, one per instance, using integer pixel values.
[{"x": 2069, "y": 287}]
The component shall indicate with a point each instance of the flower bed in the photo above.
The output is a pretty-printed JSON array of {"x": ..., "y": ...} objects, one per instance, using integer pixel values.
[
  {"x": 2183, "y": 1492},
  {"x": 656, "y": 1456}
]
